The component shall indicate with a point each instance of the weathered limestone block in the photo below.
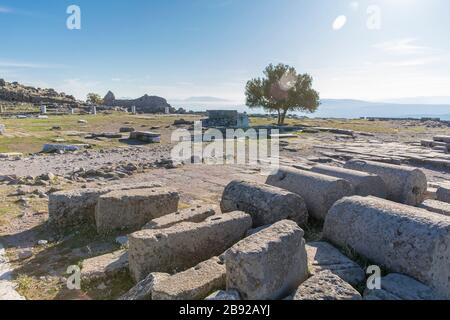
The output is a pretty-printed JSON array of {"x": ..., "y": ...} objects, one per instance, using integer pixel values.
[
  {"x": 400, "y": 287},
  {"x": 193, "y": 284},
  {"x": 184, "y": 245},
  {"x": 75, "y": 207},
  {"x": 132, "y": 209},
  {"x": 436, "y": 206},
  {"x": 269, "y": 264},
  {"x": 320, "y": 192},
  {"x": 322, "y": 256},
  {"x": 104, "y": 266},
  {"x": 266, "y": 204},
  {"x": 443, "y": 194},
  {"x": 143, "y": 290},
  {"x": 222, "y": 295},
  {"x": 326, "y": 286},
  {"x": 195, "y": 214},
  {"x": 364, "y": 184},
  {"x": 2, "y": 129},
  {"x": 404, "y": 239},
  {"x": 404, "y": 184}
]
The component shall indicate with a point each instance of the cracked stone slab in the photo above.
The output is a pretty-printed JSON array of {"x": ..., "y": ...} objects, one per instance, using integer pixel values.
[{"x": 323, "y": 256}]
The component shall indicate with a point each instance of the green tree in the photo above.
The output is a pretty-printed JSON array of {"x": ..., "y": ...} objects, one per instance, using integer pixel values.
[
  {"x": 282, "y": 90},
  {"x": 94, "y": 98}
]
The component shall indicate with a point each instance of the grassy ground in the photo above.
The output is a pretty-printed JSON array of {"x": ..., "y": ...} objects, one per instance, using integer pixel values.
[{"x": 28, "y": 135}]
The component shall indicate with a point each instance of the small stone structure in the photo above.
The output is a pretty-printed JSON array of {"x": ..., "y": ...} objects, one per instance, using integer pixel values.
[
  {"x": 146, "y": 136},
  {"x": 2, "y": 129},
  {"x": 226, "y": 118}
]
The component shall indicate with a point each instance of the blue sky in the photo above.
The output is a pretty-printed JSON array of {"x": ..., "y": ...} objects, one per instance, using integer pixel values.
[{"x": 183, "y": 48}]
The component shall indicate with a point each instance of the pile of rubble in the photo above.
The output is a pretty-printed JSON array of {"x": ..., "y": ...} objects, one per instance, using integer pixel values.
[{"x": 254, "y": 246}]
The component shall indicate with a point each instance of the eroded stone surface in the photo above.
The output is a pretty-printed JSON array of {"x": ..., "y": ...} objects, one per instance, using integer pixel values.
[
  {"x": 400, "y": 287},
  {"x": 131, "y": 209},
  {"x": 186, "y": 244},
  {"x": 404, "y": 184},
  {"x": 104, "y": 266},
  {"x": 266, "y": 204},
  {"x": 195, "y": 214},
  {"x": 436, "y": 206},
  {"x": 364, "y": 184},
  {"x": 75, "y": 207},
  {"x": 193, "y": 284},
  {"x": 319, "y": 191},
  {"x": 405, "y": 239},
  {"x": 326, "y": 286},
  {"x": 323, "y": 256},
  {"x": 269, "y": 264}
]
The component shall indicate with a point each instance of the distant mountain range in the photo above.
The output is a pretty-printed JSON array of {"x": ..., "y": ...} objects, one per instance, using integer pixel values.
[{"x": 343, "y": 108}]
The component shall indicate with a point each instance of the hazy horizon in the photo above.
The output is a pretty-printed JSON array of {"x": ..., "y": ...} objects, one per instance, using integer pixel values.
[{"x": 378, "y": 50}]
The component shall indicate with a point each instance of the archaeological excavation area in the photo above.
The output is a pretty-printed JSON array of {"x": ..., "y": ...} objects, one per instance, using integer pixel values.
[{"x": 334, "y": 222}]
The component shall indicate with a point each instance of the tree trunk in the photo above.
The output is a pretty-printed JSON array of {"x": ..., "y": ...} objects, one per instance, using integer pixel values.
[
  {"x": 283, "y": 117},
  {"x": 279, "y": 118}
]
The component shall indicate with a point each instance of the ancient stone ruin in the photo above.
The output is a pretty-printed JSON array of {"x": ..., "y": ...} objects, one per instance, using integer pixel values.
[
  {"x": 227, "y": 119},
  {"x": 253, "y": 246}
]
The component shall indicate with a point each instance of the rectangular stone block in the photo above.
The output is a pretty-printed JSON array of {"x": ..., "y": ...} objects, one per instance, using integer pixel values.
[
  {"x": 322, "y": 256},
  {"x": 193, "y": 284},
  {"x": 269, "y": 264},
  {"x": 443, "y": 194},
  {"x": 184, "y": 245},
  {"x": 195, "y": 214},
  {"x": 130, "y": 210},
  {"x": 76, "y": 207}
]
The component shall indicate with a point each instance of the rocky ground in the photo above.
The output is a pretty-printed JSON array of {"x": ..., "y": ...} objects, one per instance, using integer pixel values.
[{"x": 39, "y": 255}]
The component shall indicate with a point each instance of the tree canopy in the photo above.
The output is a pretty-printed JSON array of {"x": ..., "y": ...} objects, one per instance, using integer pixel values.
[
  {"x": 94, "y": 98},
  {"x": 282, "y": 90}
]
